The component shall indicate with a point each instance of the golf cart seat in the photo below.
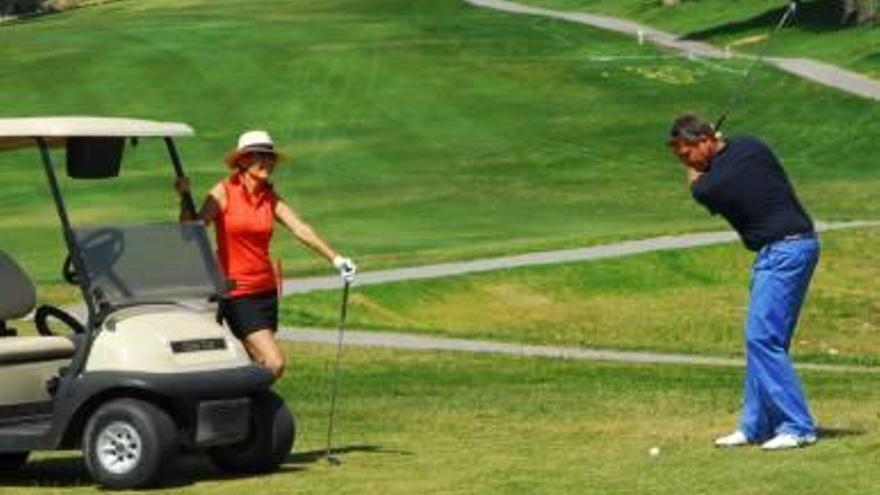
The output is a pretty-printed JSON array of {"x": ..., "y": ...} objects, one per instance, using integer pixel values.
[
  {"x": 30, "y": 349},
  {"x": 27, "y": 364},
  {"x": 17, "y": 299}
]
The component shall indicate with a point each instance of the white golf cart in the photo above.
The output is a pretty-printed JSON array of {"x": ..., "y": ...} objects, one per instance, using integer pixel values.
[{"x": 150, "y": 372}]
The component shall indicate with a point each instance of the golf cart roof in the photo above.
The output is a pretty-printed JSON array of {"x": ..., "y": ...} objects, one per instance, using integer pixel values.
[{"x": 20, "y": 132}]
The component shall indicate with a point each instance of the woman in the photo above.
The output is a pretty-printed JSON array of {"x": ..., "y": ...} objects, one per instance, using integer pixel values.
[{"x": 244, "y": 208}]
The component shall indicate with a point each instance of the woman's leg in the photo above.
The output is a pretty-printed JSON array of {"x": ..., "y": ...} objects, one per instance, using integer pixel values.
[{"x": 263, "y": 348}]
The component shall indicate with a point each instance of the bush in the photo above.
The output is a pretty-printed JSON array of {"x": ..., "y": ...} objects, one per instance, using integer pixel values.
[
  {"x": 20, "y": 7},
  {"x": 31, "y": 7}
]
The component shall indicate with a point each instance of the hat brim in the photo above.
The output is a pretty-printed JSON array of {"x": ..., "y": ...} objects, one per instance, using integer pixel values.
[{"x": 233, "y": 156}]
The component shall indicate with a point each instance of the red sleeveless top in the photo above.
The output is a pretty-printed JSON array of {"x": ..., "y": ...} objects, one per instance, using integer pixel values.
[{"x": 244, "y": 230}]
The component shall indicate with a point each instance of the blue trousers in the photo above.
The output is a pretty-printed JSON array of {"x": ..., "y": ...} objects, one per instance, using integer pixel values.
[{"x": 774, "y": 400}]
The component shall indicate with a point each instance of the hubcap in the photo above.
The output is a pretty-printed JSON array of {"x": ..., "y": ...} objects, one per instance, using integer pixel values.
[{"x": 119, "y": 447}]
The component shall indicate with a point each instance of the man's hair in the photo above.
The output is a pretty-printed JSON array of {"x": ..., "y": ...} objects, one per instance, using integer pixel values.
[{"x": 690, "y": 127}]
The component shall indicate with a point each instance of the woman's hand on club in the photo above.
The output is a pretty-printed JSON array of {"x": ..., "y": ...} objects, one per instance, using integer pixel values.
[{"x": 347, "y": 268}]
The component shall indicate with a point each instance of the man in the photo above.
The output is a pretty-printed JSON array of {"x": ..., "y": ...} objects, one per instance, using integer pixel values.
[{"x": 743, "y": 181}]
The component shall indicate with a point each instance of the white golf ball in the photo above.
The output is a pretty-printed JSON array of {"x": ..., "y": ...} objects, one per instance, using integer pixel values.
[{"x": 654, "y": 452}]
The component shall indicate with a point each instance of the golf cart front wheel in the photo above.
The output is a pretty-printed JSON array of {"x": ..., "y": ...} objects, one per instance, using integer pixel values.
[
  {"x": 127, "y": 442},
  {"x": 272, "y": 432},
  {"x": 10, "y": 461}
]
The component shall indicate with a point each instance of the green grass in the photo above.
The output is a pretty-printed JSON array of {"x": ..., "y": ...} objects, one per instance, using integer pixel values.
[
  {"x": 816, "y": 32},
  {"x": 685, "y": 301},
  {"x": 421, "y": 131},
  {"x": 457, "y": 424}
]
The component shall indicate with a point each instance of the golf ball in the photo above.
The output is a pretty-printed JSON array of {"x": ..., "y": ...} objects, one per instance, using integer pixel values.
[{"x": 654, "y": 452}]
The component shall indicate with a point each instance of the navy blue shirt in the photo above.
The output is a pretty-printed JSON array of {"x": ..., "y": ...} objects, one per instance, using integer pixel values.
[{"x": 745, "y": 183}]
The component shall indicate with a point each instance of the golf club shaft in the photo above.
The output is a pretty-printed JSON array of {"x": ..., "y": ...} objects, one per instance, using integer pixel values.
[
  {"x": 342, "y": 314},
  {"x": 789, "y": 13}
]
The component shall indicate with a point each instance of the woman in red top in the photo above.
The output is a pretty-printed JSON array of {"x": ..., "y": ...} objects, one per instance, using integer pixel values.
[{"x": 244, "y": 208}]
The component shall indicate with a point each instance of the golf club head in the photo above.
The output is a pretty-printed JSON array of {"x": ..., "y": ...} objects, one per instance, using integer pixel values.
[{"x": 334, "y": 460}]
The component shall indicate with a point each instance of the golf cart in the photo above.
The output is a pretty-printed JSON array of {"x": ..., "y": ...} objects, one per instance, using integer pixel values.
[{"x": 150, "y": 371}]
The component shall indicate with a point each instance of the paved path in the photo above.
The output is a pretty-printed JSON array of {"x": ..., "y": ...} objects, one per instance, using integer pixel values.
[
  {"x": 616, "y": 250},
  {"x": 407, "y": 341},
  {"x": 822, "y": 73}
]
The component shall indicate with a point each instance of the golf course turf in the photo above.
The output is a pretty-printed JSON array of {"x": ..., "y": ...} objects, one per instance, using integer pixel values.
[
  {"x": 420, "y": 131},
  {"x": 454, "y": 423},
  {"x": 680, "y": 301}
]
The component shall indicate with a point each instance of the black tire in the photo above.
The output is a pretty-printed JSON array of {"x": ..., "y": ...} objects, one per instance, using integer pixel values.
[
  {"x": 272, "y": 432},
  {"x": 144, "y": 438},
  {"x": 10, "y": 461}
]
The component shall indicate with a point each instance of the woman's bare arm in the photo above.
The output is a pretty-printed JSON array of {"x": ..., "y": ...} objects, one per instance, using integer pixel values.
[{"x": 303, "y": 231}]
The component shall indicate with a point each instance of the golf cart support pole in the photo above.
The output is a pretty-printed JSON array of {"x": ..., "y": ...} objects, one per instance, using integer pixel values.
[
  {"x": 79, "y": 361},
  {"x": 188, "y": 202},
  {"x": 69, "y": 237}
]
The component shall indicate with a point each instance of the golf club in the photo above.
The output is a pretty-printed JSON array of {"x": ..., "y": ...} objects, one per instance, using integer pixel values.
[
  {"x": 332, "y": 458},
  {"x": 738, "y": 90}
]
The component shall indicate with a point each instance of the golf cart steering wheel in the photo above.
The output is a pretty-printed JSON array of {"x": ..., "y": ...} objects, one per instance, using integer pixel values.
[
  {"x": 45, "y": 312},
  {"x": 109, "y": 243},
  {"x": 68, "y": 272}
]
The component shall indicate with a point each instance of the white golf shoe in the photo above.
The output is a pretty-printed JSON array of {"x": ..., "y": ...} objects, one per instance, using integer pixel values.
[
  {"x": 785, "y": 441},
  {"x": 735, "y": 439}
]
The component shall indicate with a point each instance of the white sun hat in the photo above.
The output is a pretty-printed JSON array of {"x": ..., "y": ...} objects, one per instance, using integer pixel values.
[{"x": 255, "y": 141}]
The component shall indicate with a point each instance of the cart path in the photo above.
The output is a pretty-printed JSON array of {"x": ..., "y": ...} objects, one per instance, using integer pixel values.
[
  {"x": 820, "y": 72},
  {"x": 615, "y": 250},
  {"x": 409, "y": 341}
]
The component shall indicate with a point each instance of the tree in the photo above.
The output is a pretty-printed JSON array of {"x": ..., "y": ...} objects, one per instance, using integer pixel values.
[{"x": 863, "y": 11}]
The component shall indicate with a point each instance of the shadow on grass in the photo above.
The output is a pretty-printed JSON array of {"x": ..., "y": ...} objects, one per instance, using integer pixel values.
[
  {"x": 817, "y": 16},
  {"x": 70, "y": 471},
  {"x": 834, "y": 433},
  {"x": 314, "y": 456},
  {"x": 190, "y": 468}
]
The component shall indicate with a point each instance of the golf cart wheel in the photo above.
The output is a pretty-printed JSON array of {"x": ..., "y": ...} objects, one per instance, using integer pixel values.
[
  {"x": 10, "y": 461},
  {"x": 272, "y": 432},
  {"x": 127, "y": 442}
]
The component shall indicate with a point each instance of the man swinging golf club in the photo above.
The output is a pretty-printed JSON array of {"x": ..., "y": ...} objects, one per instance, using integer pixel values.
[
  {"x": 244, "y": 208},
  {"x": 743, "y": 181}
]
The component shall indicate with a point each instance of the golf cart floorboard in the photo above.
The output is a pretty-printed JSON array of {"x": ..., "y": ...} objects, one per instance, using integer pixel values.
[{"x": 28, "y": 434}]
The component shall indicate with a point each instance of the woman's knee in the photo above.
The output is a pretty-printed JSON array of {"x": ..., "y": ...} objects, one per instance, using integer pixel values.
[
  {"x": 264, "y": 350},
  {"x": 276, "y": 363}
]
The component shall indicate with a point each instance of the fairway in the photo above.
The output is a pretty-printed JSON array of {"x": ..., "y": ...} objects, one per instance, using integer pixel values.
[
  {"x": 420, "y": 132},
  {"x": 815, "y": 33},
  {"x": 457, "y": 424},
  {"x": 691, "y": 300}
]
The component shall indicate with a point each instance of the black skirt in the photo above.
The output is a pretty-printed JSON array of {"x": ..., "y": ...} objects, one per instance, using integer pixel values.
[{"x": 247, "y": 314}]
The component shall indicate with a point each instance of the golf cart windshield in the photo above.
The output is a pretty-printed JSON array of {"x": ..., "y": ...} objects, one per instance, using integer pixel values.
[{"x": 149, "y": 263}]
